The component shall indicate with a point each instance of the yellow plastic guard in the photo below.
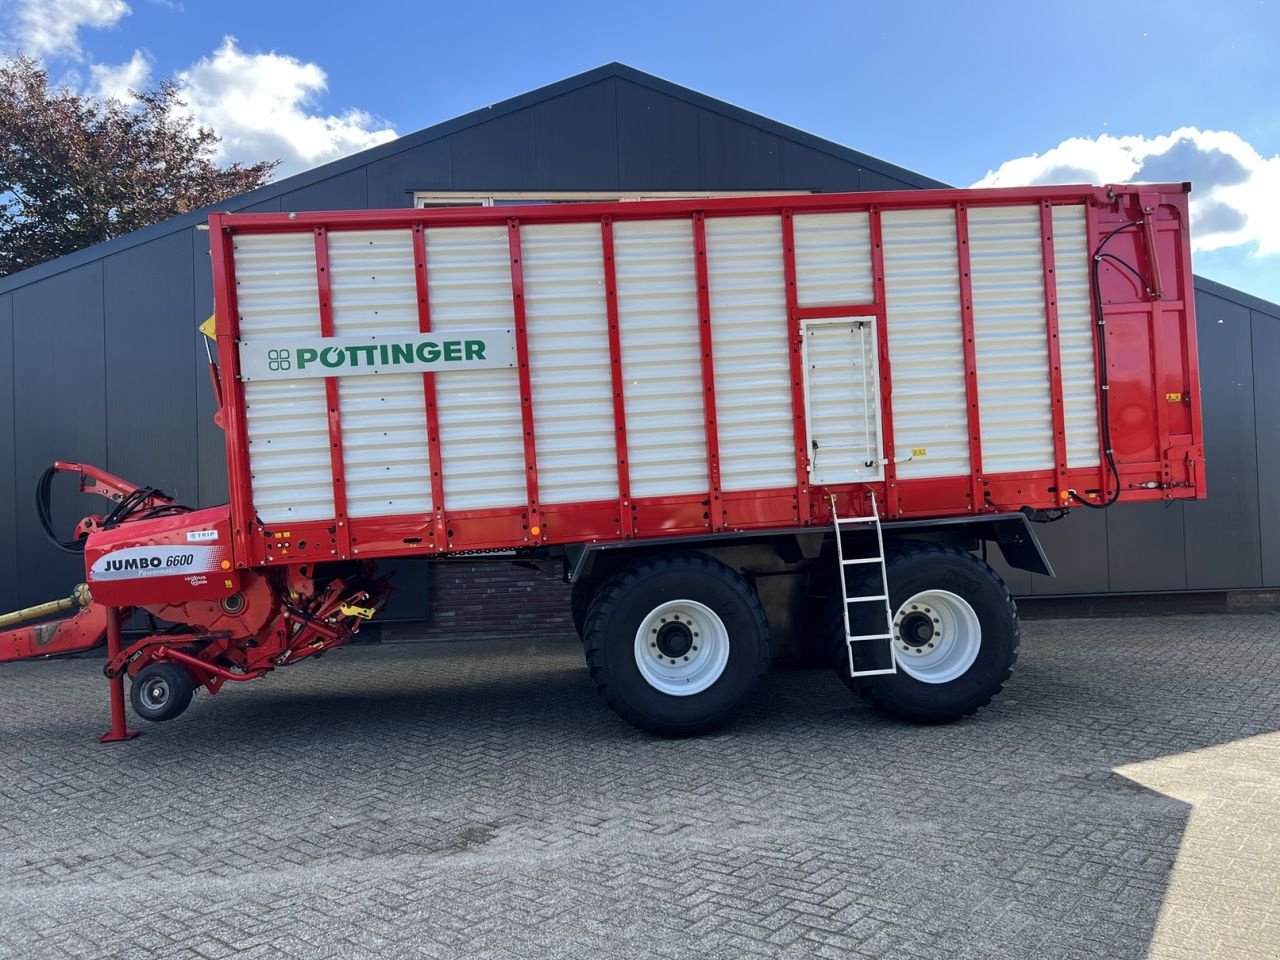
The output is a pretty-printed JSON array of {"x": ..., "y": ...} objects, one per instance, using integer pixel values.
[
  {"x": 351, "y": 610},
  {"x": 209, "y": 329}
]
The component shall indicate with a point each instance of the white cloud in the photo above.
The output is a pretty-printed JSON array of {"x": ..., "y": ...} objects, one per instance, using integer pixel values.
[
  {"x": 261, "y": 105},
  {"x": 118, "y": 82},
  {"x": 1235, "y": 190},
  {"x": 41, "y": 28}
]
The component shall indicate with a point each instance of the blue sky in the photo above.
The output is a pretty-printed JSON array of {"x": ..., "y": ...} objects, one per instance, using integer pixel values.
[{"x": 965, "y": 92}]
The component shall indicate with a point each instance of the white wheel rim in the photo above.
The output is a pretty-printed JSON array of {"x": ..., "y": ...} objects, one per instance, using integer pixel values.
[
  {"x": 682, "y": 647},
  {"x": 936, "y": 636}
]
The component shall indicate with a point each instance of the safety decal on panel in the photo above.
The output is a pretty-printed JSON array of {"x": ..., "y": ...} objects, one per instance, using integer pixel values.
[{"x": 132, "y": 563}]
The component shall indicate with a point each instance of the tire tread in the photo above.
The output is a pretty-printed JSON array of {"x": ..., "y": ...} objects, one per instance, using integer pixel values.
[{"x": 609, "y": 594}]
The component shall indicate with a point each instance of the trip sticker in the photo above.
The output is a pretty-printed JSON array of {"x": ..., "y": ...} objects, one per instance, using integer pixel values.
[{"x": 201, "y": 536}]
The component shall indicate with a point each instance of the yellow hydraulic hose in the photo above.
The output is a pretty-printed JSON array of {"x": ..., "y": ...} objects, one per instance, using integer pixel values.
[{"x": 80, "y": 597}]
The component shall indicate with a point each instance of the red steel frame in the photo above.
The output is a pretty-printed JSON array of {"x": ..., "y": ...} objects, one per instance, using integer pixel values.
[
  {"x": 1170, "y": 465},
  {"x": 438, "y": 537}
]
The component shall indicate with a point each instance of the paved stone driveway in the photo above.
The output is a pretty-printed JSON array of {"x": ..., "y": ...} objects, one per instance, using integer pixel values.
[{"x": 478, "y": 801}]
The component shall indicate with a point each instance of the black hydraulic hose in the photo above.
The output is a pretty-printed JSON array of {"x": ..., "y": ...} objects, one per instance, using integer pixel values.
[
  {"x": 44, "y": 496},
  {"x": 127, "y": 506},
  {"x": 1104, "y": 405}
]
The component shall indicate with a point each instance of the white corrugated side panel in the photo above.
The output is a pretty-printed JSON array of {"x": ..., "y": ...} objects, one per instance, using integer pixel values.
[
  {"x": 842, "y": 401},
  {"x": 661, "y": 357},
  {"x": 926, "y": 342},
  {"x": 1075, "y": 335},
  {"x": 1010, "y": 338},
  {"x": 287, "y": 420},
  {"x": 384, "y": 418},
  {"x": 750, "y": 353},
  {"x": 481, "y": 431},
  {"x": 569, "y": 363},
  {"x": 833, "y": 259}
]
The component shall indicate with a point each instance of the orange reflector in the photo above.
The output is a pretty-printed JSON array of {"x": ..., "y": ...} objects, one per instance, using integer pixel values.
[{"x": 535, "y": 530}]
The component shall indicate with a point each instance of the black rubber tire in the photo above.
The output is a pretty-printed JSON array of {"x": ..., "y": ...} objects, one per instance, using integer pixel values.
[
  {"x": 912, "y": 568},
  {"x": 626, "y": 599},
  {"x": 177, "y": 687},
  {"x": 580, "y": 598}
]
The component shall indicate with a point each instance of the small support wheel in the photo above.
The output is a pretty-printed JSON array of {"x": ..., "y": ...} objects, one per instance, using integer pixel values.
[{"x": 161, "y": 691}]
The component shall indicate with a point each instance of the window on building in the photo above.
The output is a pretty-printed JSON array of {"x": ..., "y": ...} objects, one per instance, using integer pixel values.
[{"x": 424, "y": 199}]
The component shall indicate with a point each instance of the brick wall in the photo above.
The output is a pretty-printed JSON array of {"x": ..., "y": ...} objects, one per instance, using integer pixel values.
[{"x": 473, "y": 601}]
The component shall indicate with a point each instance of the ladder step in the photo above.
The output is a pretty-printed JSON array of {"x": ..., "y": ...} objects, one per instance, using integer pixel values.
[
  {"x": 864, "y": 599},
  {"x": 874, "y": 673},
  {"x": 850, "y": 563},
  {"x": 840, "y": 521},
  {"x": 870, "y": 636}
]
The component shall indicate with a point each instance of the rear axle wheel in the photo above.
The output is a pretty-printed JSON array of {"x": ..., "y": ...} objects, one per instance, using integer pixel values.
[{"x": 677, "y": 643}]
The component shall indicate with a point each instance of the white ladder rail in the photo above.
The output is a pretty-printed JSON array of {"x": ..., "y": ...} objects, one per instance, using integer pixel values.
[{"x": 883, "y": 596}]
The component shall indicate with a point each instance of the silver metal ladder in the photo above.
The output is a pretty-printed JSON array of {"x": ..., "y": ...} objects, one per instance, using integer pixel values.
[{"x": 881, "y": 597}]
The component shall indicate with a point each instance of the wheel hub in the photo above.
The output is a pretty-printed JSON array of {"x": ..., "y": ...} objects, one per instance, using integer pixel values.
[
  {"x": 156, "y": 693},
  {"x": 917, "y": 629},
  {"x": 675, "y": 639}
]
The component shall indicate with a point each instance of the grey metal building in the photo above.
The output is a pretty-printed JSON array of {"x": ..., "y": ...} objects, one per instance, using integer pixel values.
[{"x": 99, "y": 359}]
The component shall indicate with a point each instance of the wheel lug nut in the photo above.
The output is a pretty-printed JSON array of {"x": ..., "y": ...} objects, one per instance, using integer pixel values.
[{"x": 686, "y": 658}]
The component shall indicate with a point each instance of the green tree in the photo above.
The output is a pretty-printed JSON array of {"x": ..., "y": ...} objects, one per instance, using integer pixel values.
[{"x": 75, "y": 170}]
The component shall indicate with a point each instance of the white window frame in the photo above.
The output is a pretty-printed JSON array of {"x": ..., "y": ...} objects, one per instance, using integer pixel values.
[{"x": 445, "y": 198}]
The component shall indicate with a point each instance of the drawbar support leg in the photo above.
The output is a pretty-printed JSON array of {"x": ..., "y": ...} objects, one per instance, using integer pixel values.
[{"x": 118, "y": 729}]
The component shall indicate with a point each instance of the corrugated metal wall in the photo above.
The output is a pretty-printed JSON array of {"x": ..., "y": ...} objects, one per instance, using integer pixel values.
[
  {"x": 99, "y": 359},
  {"x": 1230, "y": 541}
]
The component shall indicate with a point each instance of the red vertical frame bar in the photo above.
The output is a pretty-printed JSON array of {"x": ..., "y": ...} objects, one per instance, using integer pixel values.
[
  {"x": 235, "y": 428},
  {"x": 1149, "y": 206},
  {"x": 715, "y": 511},
  {"x": 336, "y": 462},
  {"x": 1092, "y": 236},
  {"x": 626, "y": 516},
  {"x": 795, "y": 343},
  {"x": 1055, "y": 350},
  {"x": 1190, "y": 354},
  {"x": 976, "y": 497},
  {"x": 533, "y": 521},
  {"x": 890, "y": 500},
  {"x": 440, "y": 535}
]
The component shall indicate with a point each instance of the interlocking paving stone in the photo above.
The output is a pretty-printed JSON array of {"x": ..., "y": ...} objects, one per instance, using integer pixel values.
[{"x": 478, "y": 800}]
